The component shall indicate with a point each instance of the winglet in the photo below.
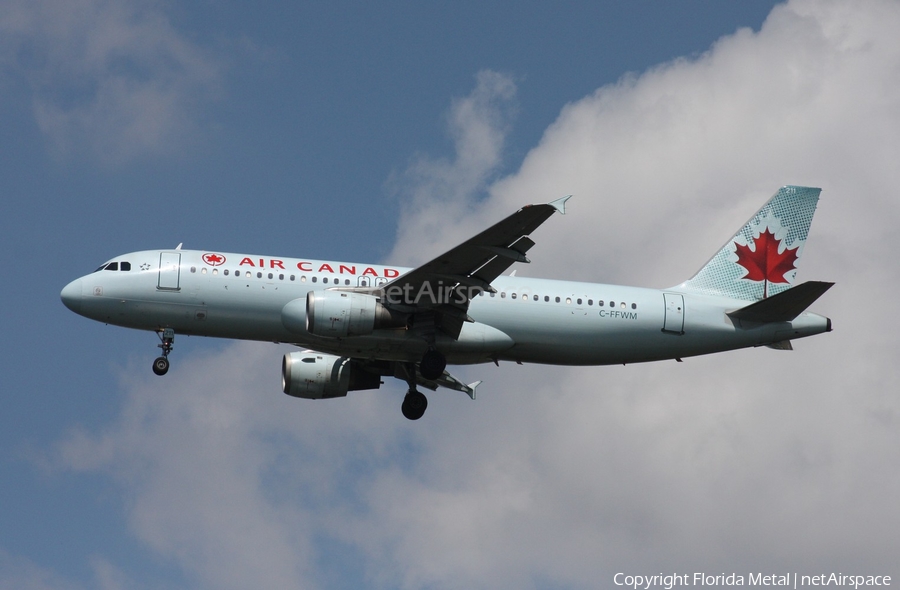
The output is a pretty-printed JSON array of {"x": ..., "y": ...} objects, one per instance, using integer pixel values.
[
  {"x": 450, "y": 382},
  {"x": 560, "y": 204}
]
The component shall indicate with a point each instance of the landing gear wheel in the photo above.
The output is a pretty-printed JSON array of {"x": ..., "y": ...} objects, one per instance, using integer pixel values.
[
  {"x": 161, "y": 365},
  {"x": 432, "y": 365},
  {"x": 414, "y": 405},
  {"x": 166, "y": 337}
]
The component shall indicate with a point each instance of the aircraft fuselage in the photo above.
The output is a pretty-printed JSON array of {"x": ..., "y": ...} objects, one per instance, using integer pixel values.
[{"x": 530, "y": 320}]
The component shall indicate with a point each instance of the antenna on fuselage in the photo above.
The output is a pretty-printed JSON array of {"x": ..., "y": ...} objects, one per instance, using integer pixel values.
[{"x": 178, "y": 247}]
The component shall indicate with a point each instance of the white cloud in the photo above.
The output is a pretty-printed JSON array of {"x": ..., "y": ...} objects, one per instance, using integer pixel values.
[
  {"x": 20, "y": 573},
  {"x": 113, "y": 79},
  {"x": 755, "y": 460},
  {"x": 434, "y": 190}
]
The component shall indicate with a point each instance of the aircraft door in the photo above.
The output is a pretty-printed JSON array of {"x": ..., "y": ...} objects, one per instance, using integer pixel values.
[
  {"x": 169, "y": 271},
  {"x": 674, "y": 319}
]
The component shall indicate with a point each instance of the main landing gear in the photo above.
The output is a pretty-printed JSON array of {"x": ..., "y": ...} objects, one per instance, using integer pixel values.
[
  {"x": 161, "y": 364},
  {"x": 432, "y": 364},
  {"x": 415, "y": 403},
  {"x": 431, "y": 367}
]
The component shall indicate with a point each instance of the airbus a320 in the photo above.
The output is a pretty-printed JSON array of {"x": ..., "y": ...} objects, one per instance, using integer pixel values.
[{"x": 356, "y": 324}]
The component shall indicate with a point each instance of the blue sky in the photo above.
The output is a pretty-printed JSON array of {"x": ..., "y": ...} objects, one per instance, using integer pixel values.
[{"x": 387, "y": 132}]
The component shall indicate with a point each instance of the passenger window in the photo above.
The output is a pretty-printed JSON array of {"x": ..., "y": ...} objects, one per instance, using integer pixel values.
[
  {"x": 303, "y": 279},
  {"x": 193, "y": 269},
  {"x": 270, "y": 275},
  {"x": 202, "y": 270},
  {"x": 600, "y": 303},
  {"x": 292, "y": 277},
  {"x": 125, "y": 266},
  {"x": 493, "y": 294},
  {"x": 590, "y": 302},
  {"x": 259, "y": 275},
  {"x": 546, "y": 298},
  {"x": 280, "y": 277},
  {"x": 314, "y": 279},
  {"x": 622, "y": 305},
  {"x": 112, "y": 266},
  {"x": 513, "y": 295},
  {"x": 612, "y": 303},
  {"x": 325, "y": 280},
  {"x": 215, "y": 271},
  {"x": 568, "y": 300},
  {"x": 579, "y": 301},
  {"x": 503, "y": 295},
  {"x": 536, "y": 297},
  {"x": 346, "y": 281},
  {"x": 226, "y": 272},
  {"x": 557, "y": 299},
  {"x": 634, "y": 306}
]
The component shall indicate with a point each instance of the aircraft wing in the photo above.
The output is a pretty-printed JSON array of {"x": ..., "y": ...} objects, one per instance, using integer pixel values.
[{"x": 469, "y": 268}]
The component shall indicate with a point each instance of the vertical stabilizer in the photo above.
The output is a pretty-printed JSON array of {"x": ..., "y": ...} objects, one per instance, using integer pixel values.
[{"x": 761, "y": 259}]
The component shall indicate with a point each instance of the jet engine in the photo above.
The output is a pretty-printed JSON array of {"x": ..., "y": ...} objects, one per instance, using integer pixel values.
[
  {"x": 314, "y": 375},
  {"x": 337, "y": 314}
]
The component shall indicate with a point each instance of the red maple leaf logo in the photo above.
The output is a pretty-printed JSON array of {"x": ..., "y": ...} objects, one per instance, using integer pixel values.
[
  {"x": 765, "y": 263},
  {"x": 213, "y": 259}
]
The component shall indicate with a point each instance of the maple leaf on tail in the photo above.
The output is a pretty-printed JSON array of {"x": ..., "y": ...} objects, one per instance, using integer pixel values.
[{"x": 765, "y": 263}]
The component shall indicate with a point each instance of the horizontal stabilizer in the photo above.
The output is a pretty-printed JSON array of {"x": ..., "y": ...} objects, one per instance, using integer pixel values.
[
  {"x": 781, "y": 345},
  {"x": 784, "y": 306}
]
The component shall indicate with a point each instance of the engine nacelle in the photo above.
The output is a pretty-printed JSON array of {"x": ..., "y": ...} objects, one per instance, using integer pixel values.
[
  {"x": 313, "y": 375},
  {"x": 336, "y": 314}
]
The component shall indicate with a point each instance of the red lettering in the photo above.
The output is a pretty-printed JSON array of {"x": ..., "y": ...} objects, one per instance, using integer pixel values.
[
  {"x": 349, "y": 269},
  {"x": 391, "y": 273},
  {"x": 300, "y": 266},
  {"x": 327, "y": 267},
  {"x": 262, "y": 263},
  {"x": 246, "y": 261},
  {"x": 370, "y": 271},
  {"x": 276, "y": 264}
]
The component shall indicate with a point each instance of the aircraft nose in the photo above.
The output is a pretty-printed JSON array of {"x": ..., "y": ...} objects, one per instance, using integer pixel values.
[{"x": 71, "y": 296}]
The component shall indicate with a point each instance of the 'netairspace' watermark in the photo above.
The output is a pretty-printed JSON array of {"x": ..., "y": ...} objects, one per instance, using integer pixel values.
[
  {"x": 434, "y": 294},
  {"x": 787, "y": 580}
]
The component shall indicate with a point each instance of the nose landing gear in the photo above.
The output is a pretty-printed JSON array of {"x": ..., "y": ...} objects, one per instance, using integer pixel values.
[{"x": 161, "y": 364}]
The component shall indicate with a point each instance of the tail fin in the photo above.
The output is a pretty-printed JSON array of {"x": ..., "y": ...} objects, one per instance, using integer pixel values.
[{"x": 760, "y": 260}]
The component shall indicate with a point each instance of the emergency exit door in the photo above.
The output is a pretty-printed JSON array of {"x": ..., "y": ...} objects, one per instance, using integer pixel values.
[
  {"x": 674, "y": 320},
  {"x": 169, "y": 271}
]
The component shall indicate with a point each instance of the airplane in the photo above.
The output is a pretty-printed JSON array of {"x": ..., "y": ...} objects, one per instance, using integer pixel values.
[{"x": 357, "y": 323}]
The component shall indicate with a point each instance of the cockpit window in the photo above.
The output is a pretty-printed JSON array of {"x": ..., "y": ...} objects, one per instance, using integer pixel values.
[{"x": 114, "y": 266}]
